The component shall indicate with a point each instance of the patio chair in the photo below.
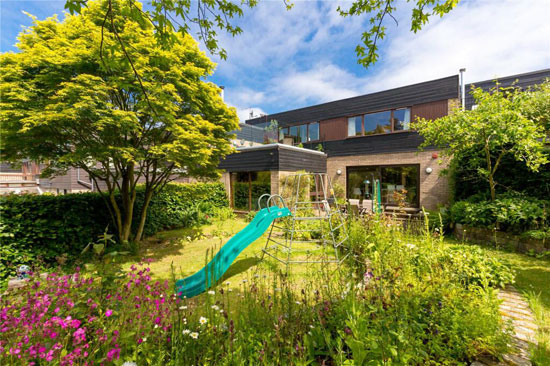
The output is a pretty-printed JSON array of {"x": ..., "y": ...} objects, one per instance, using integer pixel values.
[{"x": 366, "y": 207}]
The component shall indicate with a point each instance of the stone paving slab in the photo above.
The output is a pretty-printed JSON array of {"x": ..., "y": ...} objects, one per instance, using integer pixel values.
[{"x": 514, "y": 308}]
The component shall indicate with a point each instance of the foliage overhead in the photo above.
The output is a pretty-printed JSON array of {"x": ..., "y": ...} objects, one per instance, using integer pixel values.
[
  {"x": 211, "y": 16},
  {"x": 505, "y": 121},
  {"x": 100, "y": 93},
  {"x": 377, "y": 12}
]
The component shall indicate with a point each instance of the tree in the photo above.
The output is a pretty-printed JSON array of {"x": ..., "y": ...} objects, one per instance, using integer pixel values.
[
  {"x": 102, "y": 94},
  {"x": 503, "y": 123},
  {"x": 213, "y": 15}
]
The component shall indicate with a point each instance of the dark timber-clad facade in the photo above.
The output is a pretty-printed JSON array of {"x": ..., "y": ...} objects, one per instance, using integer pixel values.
[{"x": 361, "y": 138}]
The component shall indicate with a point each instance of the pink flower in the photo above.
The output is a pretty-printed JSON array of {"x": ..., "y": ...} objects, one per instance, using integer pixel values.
[
  {"x": 75, "y": 323},
  {"x": 79, "y": 335},
  {"x": 113, "y": 353},
  {"x": 108, "y": 313},
  {"x": 49, "y": 355}
]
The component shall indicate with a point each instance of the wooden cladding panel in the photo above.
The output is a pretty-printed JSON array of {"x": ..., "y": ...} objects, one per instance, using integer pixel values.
[
  {"x": 426, "y": 92},
  {"x": 431, "y": 110},
  {"x": 333, "y": 129}
]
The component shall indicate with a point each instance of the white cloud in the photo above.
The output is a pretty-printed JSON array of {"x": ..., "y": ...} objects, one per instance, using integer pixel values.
[
  {"x": 250, "y": 112},
  {"x": 293, "y": 59},
  {"x": 323, "y": 82},
  {"x": 490, "y": 38}
]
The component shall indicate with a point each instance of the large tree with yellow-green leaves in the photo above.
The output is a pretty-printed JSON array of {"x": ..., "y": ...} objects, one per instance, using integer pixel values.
[{"x": 100, "y": 93}]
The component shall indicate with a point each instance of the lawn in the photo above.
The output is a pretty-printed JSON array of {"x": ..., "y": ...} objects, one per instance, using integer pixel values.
[{"x": 185, "y": 250}]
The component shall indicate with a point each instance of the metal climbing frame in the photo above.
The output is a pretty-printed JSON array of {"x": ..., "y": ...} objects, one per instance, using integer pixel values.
[{"x": 307, "y": 207}]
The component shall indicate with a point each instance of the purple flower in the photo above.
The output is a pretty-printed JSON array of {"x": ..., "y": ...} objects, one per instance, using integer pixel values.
[
  {"x": 113, "y": 353},
  {"x": 108, "y": 313}
]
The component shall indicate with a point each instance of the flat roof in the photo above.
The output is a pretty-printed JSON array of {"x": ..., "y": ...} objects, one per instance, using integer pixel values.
[{"x": 280, "y": 146}]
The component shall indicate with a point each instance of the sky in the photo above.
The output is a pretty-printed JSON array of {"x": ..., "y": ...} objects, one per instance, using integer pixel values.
[{"x": 287, "y": 59}]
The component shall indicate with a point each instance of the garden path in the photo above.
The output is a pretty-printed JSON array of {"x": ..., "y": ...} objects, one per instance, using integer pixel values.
[{"x": 515, "y": 308}]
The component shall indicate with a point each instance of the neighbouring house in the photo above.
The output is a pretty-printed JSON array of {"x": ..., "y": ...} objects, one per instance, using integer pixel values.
[
  {"x": 357, "y": 140},
  {"x": 26, "y": 179}
]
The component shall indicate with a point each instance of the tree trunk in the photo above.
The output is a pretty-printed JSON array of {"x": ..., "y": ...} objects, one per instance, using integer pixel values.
[
  {"x": 128, "y": 195},
  {"x": 143, "y": 214},
  {"x": 492, "y": 187},
  {"x": 490, "y": 171}
]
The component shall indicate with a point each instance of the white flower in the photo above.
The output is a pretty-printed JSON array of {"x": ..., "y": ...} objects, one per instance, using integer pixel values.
[
  {"x": 184, "y": 320},
  {"x": 215, "y": 307},
  {"x": 129, "y": 363},
  {"x": 203, "y": 320},
  {"x": 230, "y": 290},
  {"x": 156, "y": 326},
  {"x": 298, "y": 302},
  {"x": 311, "y": 326},
  {"x": 228, "y": 283},
  {"x": 194, "y": 335},
  {"x": 277, "y": 289},
  {"x": 186, "y": 331},
  {"x": 211, "y": 292},
  {"x": 161, "y": 295},
  {"x": 188, "y": 238},
  {"x": 144, "y": 339},
  {"x": 245, "y": 280},
  {"x": 183, "y": 307},
  {"x": 411, "y": 246}
]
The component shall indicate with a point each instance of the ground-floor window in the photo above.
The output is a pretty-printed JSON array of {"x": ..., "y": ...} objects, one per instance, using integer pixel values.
[
  {"x": 397, "y": 183},
  {"x": 248, "y": 187}
]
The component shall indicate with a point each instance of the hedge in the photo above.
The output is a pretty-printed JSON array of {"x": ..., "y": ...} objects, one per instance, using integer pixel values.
[
  {"x": 50, "y": 226},
  {"x": 512, "y": 214}
]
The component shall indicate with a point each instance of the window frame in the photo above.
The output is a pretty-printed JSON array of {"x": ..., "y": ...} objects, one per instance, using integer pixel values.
[
  {"x": 393, "y": 130},
  {"x": 298, "y": 126},
  {"x": 318, "y": 131},
  {"x": 379, "y": 167}
]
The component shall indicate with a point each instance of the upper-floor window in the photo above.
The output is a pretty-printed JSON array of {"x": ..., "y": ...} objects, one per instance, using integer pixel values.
[
  {"x": 313, "y": 131},
  {"x": 355, "y": 126},
  {"x": 401, "y": 119},
  {"x": 380, "y": 122},
  {"x": 301, "y": 133}
]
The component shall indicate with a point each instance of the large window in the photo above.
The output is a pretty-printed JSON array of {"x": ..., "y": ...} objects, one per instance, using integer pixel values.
[
  {"x": 376, "y": 123},
  {"x": 396, "y": 183},
  {"x": 401, "y": 119},
  {"x": 313, "y": 134},
  {"x": 301, "y": 133},
  {"x": 380, "y": 122},
  {"x": 355, "y": 126}
]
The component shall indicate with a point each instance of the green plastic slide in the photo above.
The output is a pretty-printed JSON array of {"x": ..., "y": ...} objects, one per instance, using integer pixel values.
[{"x": 214, "y": 270}]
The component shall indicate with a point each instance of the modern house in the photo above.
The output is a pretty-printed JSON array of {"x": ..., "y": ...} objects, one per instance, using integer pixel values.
[{"x": 357, "y": 140}]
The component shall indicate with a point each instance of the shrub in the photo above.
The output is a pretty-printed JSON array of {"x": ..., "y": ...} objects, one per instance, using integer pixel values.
[
  {"x": 515, "y": 214},
  {"x": 51, "y": 226}
]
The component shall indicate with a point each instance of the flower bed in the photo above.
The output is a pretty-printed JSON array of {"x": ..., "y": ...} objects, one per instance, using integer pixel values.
[{"x": 398, "y": 300}]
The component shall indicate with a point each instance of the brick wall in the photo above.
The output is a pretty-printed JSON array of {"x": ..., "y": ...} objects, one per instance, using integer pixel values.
[{"x": 434, "y": 189}]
